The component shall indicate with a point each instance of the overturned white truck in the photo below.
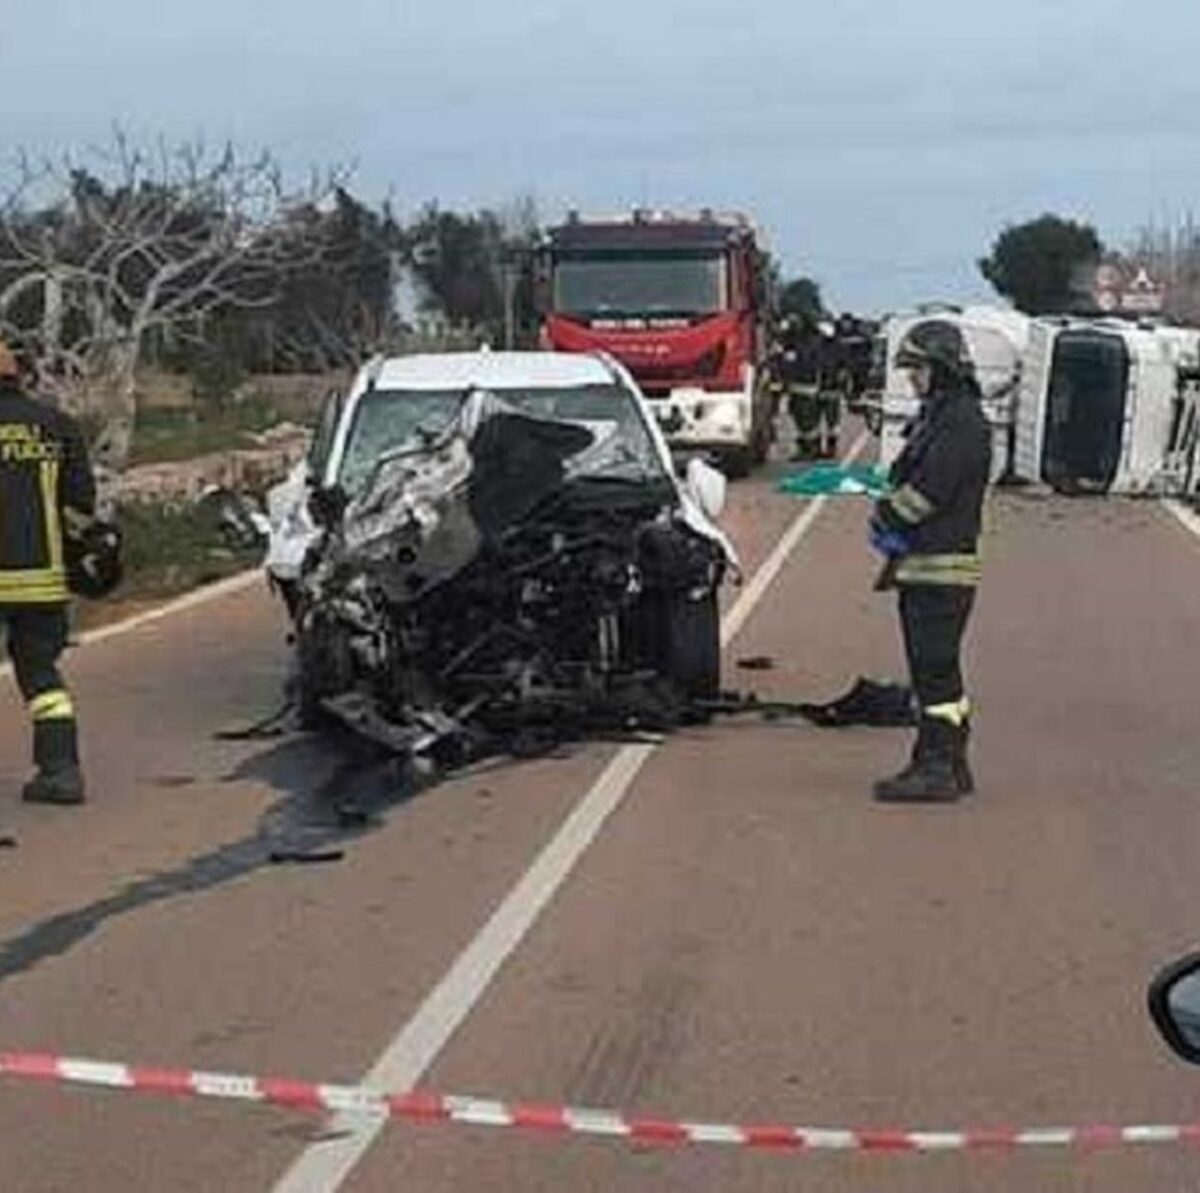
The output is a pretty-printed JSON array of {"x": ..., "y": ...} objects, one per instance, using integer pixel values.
[
  {"x": 1080, "y": 405},
  {"x": 1107, "y": 406}
]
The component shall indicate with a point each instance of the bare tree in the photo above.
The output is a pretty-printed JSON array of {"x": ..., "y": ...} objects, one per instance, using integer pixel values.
[{"x": 99, "y": 257}]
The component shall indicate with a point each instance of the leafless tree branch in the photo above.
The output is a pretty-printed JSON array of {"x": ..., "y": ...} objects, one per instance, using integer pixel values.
[{"x": 98, "y": 253}]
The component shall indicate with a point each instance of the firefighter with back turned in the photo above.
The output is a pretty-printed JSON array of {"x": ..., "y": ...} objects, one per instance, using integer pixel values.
[{"x": 50, "y": 544}]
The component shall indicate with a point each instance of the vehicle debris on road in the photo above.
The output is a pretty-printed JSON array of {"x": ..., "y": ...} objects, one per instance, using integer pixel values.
[
  {"x": 760, "y": 662},
  {"x": 280, "y": 857},
  {"x": 869, "y": 702}
]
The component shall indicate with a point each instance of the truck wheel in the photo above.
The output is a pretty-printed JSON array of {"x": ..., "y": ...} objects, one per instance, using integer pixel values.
[
  {"x": 322, "y": 668},
  {"x": 763, "y": 439},
  {"x": 765, "y": 433},
  {"x": 691, "y": 650},
  {"x": 310, "y": 715}
]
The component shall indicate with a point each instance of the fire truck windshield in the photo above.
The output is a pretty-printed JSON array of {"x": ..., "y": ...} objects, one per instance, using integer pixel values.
[{"x": 616, "y": 284}]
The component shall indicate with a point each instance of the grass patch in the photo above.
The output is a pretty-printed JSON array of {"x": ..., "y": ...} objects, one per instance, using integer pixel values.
[
  {"x": 167, "y": 436},
  {"x": 170, "y": 549}
]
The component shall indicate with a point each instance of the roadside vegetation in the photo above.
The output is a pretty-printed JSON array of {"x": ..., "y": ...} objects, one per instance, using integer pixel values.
[
  {"x": 166, "y": 435},
  {"x": 170, "y": 548}
]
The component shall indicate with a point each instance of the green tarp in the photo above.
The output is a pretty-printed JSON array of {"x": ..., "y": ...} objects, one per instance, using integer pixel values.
[{"x": 836, "y": 480}]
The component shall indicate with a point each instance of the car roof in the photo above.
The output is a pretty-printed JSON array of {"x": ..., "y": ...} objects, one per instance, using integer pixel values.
[{"x": 492, "y": 370}]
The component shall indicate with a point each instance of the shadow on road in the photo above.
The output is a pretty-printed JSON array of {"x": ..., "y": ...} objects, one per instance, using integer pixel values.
[{"x": 332, "y": 791}]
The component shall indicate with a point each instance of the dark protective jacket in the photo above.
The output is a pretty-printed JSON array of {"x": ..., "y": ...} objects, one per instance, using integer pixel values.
[
  {"x": 46, "y": 484},
  {"x": 796, "y": 362},
  {"x": 937, "y": 490}
]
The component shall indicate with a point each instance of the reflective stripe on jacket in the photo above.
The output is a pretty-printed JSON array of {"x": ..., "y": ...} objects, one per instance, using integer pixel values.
[
  {"x": 938, "y": 485},
  {"x": 43, "y": 473}
]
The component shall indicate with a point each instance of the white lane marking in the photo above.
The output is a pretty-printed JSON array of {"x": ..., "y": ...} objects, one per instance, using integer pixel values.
[
  {"x": 746, "y": 603},
  {"x": 1187, "y": 518},
  {"x": 190, "y": 600},
  {"x": 323, "y": 1166}
]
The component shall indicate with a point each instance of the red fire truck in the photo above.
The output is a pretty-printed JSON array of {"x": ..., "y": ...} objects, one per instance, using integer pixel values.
[{"x": 682, "y": 302}]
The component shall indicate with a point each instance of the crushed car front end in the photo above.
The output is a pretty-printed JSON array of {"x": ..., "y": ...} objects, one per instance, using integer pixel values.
[{"x": 517, "y": 568}]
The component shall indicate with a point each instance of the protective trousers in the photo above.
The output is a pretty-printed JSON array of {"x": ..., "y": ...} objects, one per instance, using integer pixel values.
[
  {"x": 804, "y": 408},
  {"x": 829, "y": 420},
  {"x": 37, "y": 635},
  {"x": 934, "y": 618}
]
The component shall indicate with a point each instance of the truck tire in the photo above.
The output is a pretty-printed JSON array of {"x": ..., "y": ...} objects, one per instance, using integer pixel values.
[
  {"x": 691, "y": 646},
  {"x": 322, "y": 668},
  {"x": 761, "y": 446},
  {"x": 311, "y": 717}
]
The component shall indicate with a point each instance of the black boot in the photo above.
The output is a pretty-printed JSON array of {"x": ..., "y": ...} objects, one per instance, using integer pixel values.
[
  {"x": 56, "y": 755},
  {"x": 930, "y": 778},
  {"x": 64, "y": 786}
]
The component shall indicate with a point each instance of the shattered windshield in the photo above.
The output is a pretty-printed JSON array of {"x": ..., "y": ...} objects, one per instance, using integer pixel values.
[
  {"x": 388, "y": 421},
  {"x": 626, "y": 284}
]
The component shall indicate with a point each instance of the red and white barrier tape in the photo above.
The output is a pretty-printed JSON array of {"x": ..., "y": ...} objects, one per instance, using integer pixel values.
[{"x": 566, "y": 1120}]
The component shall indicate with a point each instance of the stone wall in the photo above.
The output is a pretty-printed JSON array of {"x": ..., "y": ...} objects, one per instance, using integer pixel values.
[{"x": 244, "y": 470}]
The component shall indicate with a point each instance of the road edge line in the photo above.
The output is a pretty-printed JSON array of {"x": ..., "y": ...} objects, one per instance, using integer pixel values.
[
  {"x": 180, "y": 604},
  {"x": 1187, "y": 518},
  {"x": 323, "y": 1166}
]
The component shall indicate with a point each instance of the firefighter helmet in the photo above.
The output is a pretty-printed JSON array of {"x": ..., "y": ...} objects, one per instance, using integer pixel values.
[
  {"x": 935, "y": 342},
  {"x": 93, "y": 559}
]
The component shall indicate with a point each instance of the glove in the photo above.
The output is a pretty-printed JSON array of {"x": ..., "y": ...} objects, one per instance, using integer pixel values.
[
  {"x": 890, "y": 543},
  {"x": 93, "y": 559}
]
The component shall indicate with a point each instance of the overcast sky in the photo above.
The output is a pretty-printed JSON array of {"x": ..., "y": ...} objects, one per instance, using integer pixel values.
[{"x": 881, "y": 144}]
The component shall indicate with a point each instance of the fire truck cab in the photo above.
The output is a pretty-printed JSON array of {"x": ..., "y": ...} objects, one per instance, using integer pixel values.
[{"x": 683, "y": 303}]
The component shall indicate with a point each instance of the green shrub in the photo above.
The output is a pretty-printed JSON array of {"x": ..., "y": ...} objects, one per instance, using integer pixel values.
[
  {"x": 161, "y": 436},
  {"x": 170, "y": 548}
]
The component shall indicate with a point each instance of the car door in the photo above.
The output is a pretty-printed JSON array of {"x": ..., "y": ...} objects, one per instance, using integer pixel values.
[{"x": 292, "y": 529}]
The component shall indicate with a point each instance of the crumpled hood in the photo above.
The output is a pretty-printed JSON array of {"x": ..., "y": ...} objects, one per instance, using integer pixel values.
[{"x": 426, "y": 512}]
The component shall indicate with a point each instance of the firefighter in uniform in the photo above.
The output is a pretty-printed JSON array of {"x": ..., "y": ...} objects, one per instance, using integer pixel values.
[
  {"x": 928, "y": 528},
  {"x": 828, "y": 411},
  {"x": 47, "y": 499},
  {"x": 798, "y": 373}
]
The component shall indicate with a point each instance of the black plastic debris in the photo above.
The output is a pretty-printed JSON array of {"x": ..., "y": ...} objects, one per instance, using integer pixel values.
[
  {"x": 868, "y": 702},
  {"x": 759, "y": 662},
  {"x": 274, "y": 725},
  {"x": 305, "y": 857}
]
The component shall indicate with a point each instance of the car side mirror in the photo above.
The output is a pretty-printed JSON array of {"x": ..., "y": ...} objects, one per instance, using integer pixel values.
[
  {"x": 1175, "y": 1006},
  {"x": 706, "y": 486}
]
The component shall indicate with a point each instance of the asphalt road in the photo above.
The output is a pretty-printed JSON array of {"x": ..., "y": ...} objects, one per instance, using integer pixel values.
[{"x": 742, "y": 937}]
